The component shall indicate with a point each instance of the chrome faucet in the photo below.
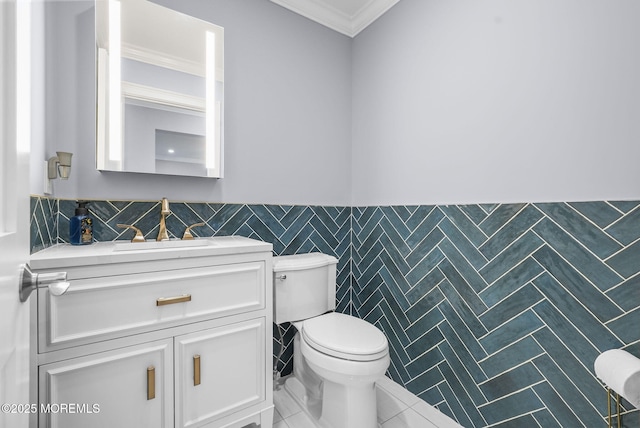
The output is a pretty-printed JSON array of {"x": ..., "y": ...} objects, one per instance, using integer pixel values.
[{"x": 164, "y": 212}]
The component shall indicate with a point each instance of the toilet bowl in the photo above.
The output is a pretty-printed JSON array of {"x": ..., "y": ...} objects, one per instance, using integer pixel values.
[
  {"x": 348, "y": 360},
  {"x": 337, "y": 357}
]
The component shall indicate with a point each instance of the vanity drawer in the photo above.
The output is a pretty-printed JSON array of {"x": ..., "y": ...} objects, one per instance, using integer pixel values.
[{"x": 104, "y": 308}]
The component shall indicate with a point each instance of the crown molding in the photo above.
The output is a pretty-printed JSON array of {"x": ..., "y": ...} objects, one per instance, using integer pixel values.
[
  {"x": 330, "y": 16},
  {"x": 373, "y": 10}
]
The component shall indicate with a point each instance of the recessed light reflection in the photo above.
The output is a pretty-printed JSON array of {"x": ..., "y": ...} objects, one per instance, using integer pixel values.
[{"x": 171, "y": 151}]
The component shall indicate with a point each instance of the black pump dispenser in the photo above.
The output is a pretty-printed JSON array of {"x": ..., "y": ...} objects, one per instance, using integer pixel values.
[{"x": 82, "y": 208}]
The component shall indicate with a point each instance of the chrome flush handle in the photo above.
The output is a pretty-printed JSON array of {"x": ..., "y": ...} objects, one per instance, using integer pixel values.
[{"x": 29, "y": 281}]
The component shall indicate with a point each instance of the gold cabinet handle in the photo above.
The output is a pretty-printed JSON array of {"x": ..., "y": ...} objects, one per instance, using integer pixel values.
[
  {"x": 139, "y": 236},
  {"x": 162, "y": 301},
  {"x": 187, "y": 233},
  {"x": 196, "y": 370},
  {"x": 151, "y": 383}
]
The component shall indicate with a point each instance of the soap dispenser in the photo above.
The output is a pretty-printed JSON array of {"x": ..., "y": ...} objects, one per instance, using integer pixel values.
[{"x": 81, "y": 226}]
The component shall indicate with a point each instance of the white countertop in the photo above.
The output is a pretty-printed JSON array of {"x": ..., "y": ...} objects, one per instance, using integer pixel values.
[{"x": 66, "y": 255}]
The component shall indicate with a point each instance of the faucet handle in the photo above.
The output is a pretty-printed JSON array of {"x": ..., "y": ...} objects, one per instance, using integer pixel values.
[
  {"x": 187, "y": 233},
  {"x": 139, "y": 237}
]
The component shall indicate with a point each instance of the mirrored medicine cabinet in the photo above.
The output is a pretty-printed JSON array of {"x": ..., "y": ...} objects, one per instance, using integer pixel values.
[{"x": 160, "y": 90}]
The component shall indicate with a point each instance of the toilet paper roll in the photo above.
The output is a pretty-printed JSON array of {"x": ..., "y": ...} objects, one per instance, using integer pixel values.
[{"x": 620, "y": 371}]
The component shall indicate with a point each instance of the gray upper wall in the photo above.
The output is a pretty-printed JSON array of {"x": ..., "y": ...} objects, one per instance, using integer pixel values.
[
  {"x": 436, "y": 102},
  {"x": 287, "y": 109},
  {"x": 458, "y": 101}
]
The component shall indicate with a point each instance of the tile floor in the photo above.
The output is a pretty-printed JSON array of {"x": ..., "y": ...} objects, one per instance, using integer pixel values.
[{"x": 397, "y": 408}]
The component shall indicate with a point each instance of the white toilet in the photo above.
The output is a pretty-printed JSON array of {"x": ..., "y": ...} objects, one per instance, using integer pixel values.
[{"x": 337, "y": 358}]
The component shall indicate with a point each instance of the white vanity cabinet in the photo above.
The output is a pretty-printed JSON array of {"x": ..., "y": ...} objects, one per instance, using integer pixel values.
[{"x": 159, "y": 337}]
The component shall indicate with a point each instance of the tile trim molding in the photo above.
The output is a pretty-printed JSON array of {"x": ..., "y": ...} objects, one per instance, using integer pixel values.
[{"x": 494, "y": 312}]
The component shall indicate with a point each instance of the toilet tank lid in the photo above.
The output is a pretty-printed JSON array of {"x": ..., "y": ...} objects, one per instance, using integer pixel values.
[{"x": 302, "y": 261}]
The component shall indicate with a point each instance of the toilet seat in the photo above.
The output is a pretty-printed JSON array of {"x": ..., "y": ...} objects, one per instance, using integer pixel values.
[{"x": 345, "y": 337}]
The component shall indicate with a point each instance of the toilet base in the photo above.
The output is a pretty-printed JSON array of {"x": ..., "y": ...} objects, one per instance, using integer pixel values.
[{"x": 312, "y": 407}]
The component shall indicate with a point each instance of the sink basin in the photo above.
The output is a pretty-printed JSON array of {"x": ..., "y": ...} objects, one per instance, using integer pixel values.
[{"x": 159, "y": 245}]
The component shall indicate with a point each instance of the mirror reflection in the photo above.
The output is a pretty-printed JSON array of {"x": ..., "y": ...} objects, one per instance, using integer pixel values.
[{"x": 160, "y": 90}]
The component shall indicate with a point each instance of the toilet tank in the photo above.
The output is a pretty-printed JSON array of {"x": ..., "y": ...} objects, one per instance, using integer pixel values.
[{"x": 304, "y": 286}]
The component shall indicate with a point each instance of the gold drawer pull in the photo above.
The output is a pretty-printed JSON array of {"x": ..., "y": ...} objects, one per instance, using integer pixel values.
[
  {"x": 151, "y": 383},
  {"x": 161, "y": 301},
  {"x": 196, "y": 370}
]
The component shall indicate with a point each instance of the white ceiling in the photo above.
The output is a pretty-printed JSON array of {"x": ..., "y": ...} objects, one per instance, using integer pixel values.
[{"x": 345, "y": 16}]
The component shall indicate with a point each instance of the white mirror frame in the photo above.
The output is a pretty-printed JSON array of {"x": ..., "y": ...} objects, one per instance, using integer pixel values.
[{"x": 112, "y": 91}]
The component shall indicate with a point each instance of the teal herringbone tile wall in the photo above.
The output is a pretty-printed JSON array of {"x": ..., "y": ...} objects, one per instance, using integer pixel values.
[
  {"x": 43, "y": 223},
  {"x": 496, "y": 313}
]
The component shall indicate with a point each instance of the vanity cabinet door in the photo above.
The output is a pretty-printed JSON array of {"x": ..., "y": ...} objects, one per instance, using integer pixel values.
[
  {"x": 219, "y": 371},
  {"x": 127, "y": 387}
]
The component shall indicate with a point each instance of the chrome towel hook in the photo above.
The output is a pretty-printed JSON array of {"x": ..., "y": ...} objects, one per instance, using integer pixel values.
[{"x": 29, "y": 281}]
